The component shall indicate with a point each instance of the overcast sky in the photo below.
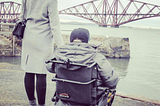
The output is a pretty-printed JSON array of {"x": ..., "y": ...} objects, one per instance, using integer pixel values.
[
  {"x": 63, "y": 4},
  {"x": 67, "y": 3}
]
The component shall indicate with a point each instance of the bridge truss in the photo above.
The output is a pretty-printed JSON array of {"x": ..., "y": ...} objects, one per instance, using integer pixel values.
[
  {"x": 113, "y": 12},
  {"x": 9, "y": 11},
  {"x": 102, "y": 12}
]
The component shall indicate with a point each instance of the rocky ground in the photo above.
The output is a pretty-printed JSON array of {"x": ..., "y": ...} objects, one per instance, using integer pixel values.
[{"x": 12, "y": 92}]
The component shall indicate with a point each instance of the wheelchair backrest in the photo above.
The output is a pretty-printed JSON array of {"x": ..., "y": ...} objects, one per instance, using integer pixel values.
[{"x": 76, "y": 82}]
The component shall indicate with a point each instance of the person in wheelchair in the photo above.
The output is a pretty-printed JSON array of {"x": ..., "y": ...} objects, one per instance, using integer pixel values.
[{"x": 79, "y": 51}]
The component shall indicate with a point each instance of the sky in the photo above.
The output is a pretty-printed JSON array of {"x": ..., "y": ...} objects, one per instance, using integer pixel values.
[
  {"x": 142, "y": 23},
  {"x": 69, "y": 3}
]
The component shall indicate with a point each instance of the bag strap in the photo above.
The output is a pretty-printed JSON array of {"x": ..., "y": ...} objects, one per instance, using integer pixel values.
[{"x": 24, "y": 5}]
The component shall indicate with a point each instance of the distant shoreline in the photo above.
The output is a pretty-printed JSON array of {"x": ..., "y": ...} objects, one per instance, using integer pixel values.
[
  {"x": 122, "y": 26},
  {"x": 93, "y": 24}
]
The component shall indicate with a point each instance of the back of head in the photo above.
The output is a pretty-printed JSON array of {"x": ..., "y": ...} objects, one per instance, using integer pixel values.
[{"x": 80, "y": 34}]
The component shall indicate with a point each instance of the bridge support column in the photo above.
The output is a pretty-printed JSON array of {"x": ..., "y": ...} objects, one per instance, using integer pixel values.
[
  {"x": 115, "y": 26},
  {"x": 13, "y": 45},
  {"x": 102, "y": 25},
  {"x": 1, "y": 27}
]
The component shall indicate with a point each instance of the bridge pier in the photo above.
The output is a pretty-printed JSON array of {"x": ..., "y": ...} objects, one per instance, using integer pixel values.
[
  {"x": 115, "y": 26},
  {"x": 102, "y": 25},
  {"x": 13, "y": 45}
]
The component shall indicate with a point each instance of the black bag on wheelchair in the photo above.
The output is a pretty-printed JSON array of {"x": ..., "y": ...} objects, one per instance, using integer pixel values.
[
  {"x": 76, "y": 82},
  {"x": 106, "y": 97}
]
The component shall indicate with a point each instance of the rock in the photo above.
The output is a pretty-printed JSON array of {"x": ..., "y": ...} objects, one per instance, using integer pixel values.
[{"x": 112, "y": 47}]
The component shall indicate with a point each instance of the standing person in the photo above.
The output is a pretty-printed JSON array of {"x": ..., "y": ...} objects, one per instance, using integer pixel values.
[{"x": 42, "y": 28}]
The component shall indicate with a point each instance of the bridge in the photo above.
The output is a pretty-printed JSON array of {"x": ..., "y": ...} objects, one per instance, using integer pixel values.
[
  {"x": 101, "y": 12},
  {"x": 9, "y": 11}
]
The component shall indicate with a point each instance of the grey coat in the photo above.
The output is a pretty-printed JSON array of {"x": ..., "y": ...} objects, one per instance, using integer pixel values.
[
  {"x": 41, "y": 30},
  {"x": 86, "y": 54}
]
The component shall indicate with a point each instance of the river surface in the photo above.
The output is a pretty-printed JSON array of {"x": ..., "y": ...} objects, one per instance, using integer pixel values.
[{"x": 139, "y": 75}]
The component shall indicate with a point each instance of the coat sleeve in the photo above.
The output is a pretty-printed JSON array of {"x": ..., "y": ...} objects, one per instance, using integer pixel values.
[
  {"x": 107, "y": 74},
  {"x": 54, "y": 22},
  {"x": 49, "y": 65}
]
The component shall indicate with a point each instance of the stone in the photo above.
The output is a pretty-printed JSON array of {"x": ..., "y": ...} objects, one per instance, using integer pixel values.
[{"x": 112, "y": 47}]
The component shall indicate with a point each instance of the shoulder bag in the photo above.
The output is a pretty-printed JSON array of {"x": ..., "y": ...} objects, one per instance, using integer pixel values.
[{"x": 19, "y": 28}]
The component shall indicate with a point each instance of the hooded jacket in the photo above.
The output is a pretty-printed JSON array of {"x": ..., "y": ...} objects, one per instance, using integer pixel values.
[{"x": 84, "y": 53}]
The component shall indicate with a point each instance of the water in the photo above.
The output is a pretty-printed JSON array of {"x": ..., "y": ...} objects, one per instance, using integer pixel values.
[
  {"x": 139, "y": 75},
  {"x": 11, "y": 60}
]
